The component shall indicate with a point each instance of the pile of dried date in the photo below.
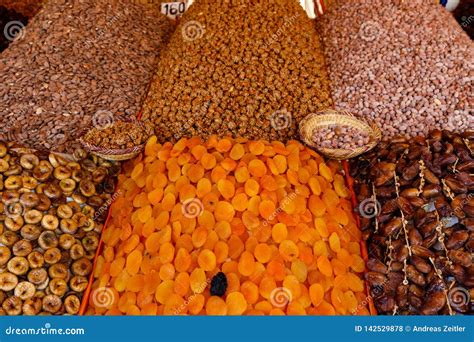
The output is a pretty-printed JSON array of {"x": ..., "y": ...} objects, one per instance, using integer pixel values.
[
  {"x": 417, "y": 206},
  {"x": 51, "y": 215}
]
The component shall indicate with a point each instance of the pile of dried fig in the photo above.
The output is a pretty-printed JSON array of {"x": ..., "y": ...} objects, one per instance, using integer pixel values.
[
  {"x": 51, "y": 215},
  {"x": 417, "y": 206}
]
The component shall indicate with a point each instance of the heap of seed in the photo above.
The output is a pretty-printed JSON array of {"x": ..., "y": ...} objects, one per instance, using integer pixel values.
[
  {"x": 240, "y": 68},
  {"x": 340, "y": 137},
  {"x": 78, "y": 64},
  {"x": 405, "y": 64},
  {"x": 417, "y": 208}
]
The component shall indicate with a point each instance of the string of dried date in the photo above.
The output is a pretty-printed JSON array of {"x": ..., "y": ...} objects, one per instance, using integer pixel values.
[{"x": 417, "y": 208}]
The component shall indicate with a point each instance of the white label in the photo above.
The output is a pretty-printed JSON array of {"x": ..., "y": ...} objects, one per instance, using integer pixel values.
[{"x": 173, "y": 9}]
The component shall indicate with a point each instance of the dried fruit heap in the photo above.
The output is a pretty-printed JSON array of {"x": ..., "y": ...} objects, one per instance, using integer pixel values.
[
  {"x": 274, "y": 218},
  {"x": 111, "y": 47},
  {"x": 389, "y": 61},
  {"x": 421, "y": 237},
  {"x": 51, "y": 215},
  {"x": 249, "y": 69}
]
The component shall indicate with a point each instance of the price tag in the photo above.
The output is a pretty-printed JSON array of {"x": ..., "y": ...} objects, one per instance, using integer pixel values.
[{"x": 173, "y": 9}]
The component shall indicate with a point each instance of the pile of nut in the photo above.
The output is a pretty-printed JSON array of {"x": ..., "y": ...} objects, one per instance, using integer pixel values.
[
  {"x": 11, "y": 23},
  {"x": 51, "y": 215},
  {"x": 340, "y": 137},
  {"x": 120, "y": 135},
  {"x": 78, "y": 64},
  {"x": 417, "y": 206},
  {"x": 242, "y": 69},
  {"x": 407, "y": 65}
]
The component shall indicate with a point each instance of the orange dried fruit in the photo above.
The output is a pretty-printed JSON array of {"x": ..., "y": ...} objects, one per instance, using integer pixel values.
[
  {"x": 237, "y": 152},
  {"x": 246, "y": 264},
  {"x": 224, "y": 211},
  {"x": 334, "y": 242},
  {"x": 224, "y": 145},
  {"x": 208, "y": 161},
  {"x": 164, "y": 291},
  {"x": 203, "y": 187},
  {"x": 266, "y": 209},
  {"x": 324, "y": 265},
  {"x": 196, "y": 304},
  {"x": 226, "y": 188},
  {"x": 279, "y": 232},
  {"x": 281, "y": 164},
  {"x": 316, "y": 205},
  {"x": 197, "y": 280},
  {"x": 256, "y": 147},
  {"x": 326, "y": 172},
  {"x": 166, "y": 252},
  {"x": 207, "y": 260},
  {"x": 288, "y": 250},
  {"x": 134, "y": 260},
  {"x": 263, "y": 253},
  {"x": 216, "y": 306},
  {"x": 316, "y": 293},
  {"x": 250, "y": 292},
  {"x": 183, "y": 260},
  {"x": 236, "y": 303},
  {"x": 152, "y": 243},
  {"x": 252, "y": 187},
  {"x": 223, "y": 230},
  {"x": 240, "y": 202},
  {"x": 257, "y": 168},
  {"x": 241, "y": 174}
]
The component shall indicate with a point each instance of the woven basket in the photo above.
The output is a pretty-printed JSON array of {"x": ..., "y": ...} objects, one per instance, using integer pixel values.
[
  {"x": 331, "y": 117},
  {"x": 113, "y": 154}
]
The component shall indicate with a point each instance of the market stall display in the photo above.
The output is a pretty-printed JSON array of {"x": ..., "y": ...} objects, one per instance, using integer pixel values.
[
  {"x": 218, "y": 210},
  {"x": 11, "y": 24},
  {"x": 230, "y": 227},
  {"x": 242, "y": 69},
  {"x": 52, "y": 213},
  {"x": 417, "y": 208},
  {"x": 392, "y": 64},
  {"x": 79, "y": 64}
]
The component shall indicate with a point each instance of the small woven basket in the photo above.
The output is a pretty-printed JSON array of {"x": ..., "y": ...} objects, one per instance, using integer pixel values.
[
  {"x": 113, "y": 154},
  {"x": 331, "y": 117}
]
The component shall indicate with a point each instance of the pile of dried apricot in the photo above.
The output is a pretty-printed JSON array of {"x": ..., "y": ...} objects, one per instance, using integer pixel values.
[{"x": 230, "y": 227}]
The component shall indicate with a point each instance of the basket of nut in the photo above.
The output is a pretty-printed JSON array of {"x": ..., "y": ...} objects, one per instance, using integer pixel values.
[
  {"x": 119, "y": 141},
  {"x": 339, "y": 134}
]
